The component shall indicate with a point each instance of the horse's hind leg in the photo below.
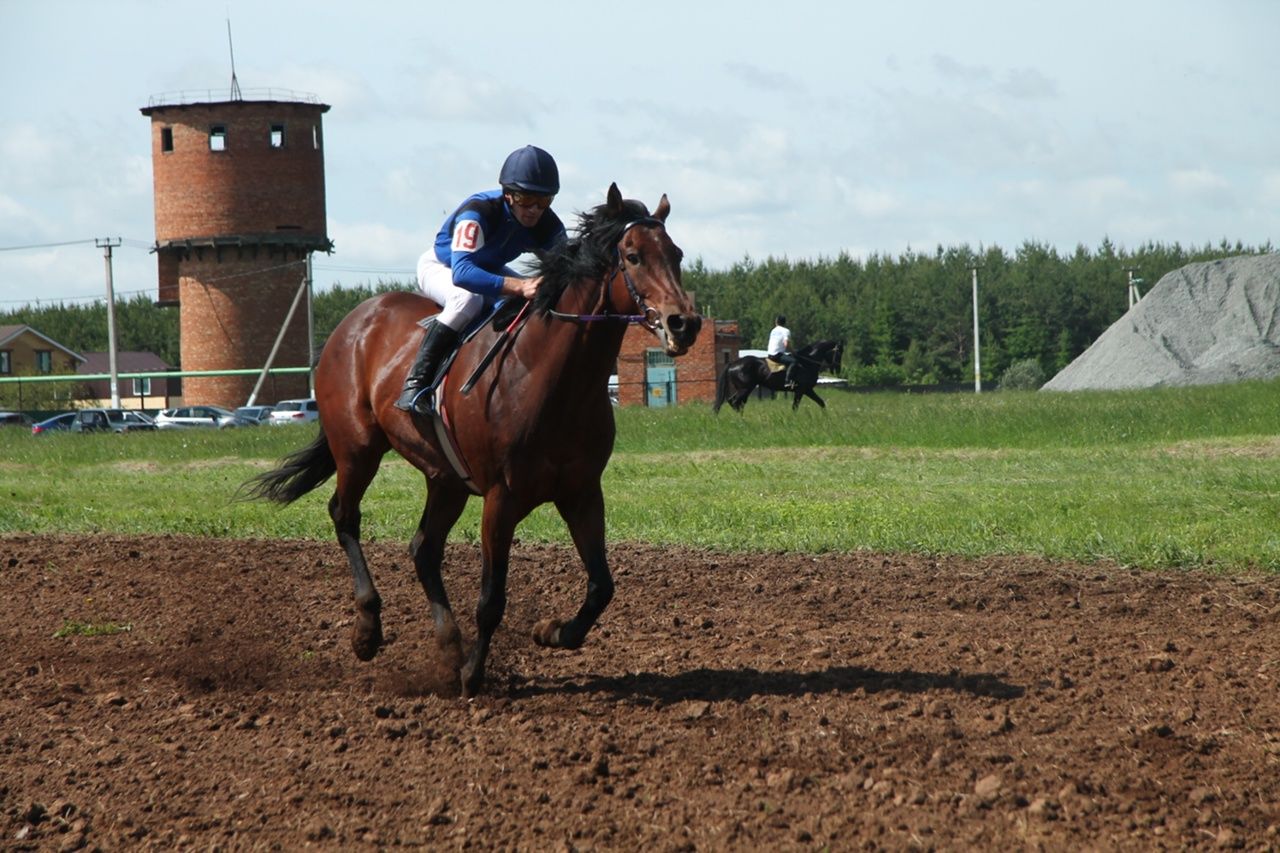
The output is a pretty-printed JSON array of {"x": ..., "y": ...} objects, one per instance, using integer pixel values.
[
  {"x": 444, "y": 505},
  {"x": 355, "y": 473},
  {"x": 584, "y": 514}
]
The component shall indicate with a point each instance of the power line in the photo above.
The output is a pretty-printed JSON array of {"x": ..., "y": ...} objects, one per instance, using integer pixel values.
[
  {"x": 386, "y": 270},
  {"x": 90, "y": 241},
  {"x": 131, "y": 242},
  {"x": 51, "y": 300}
]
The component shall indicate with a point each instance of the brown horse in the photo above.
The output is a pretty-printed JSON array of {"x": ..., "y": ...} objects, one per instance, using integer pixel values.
[{"x": 536, "y": 427}]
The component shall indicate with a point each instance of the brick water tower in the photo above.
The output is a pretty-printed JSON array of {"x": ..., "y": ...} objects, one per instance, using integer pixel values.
[{"x": 239, "y": 201}]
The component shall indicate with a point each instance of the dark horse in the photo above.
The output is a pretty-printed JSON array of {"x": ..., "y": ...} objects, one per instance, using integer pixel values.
[
  {"x": 743, "y": 376},
  {"x": 537, "y": 427}
]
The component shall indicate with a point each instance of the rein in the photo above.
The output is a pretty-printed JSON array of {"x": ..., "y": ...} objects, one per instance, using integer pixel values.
[{"x": 649, "y": 317}]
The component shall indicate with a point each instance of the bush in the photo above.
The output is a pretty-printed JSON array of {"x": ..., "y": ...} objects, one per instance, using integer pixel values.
[
  {"x": 874, "y": 375},
  {"x": 1023, "y": 375}
]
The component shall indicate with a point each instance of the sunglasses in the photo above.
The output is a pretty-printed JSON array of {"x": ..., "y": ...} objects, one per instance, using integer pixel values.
[{"x": 541, "y": 202}]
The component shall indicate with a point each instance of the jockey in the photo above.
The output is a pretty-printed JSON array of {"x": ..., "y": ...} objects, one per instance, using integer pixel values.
[
  {"x": 780, "y": 348},
  {"x": 468, "y": 262}
]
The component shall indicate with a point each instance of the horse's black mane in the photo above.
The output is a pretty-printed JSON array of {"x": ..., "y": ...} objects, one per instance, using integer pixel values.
[{"x": 588, "y": 254}]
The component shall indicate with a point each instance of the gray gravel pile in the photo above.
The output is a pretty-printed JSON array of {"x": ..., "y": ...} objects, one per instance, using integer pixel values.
[{"x": 1203, "y": 324}]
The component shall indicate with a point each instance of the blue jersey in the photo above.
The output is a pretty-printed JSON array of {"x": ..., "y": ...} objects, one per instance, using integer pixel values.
[{"x": 481, "y": 237}]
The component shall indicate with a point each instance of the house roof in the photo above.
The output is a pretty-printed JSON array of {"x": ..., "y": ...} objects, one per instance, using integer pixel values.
[
  {"x": 130, "y": 361},
  {"x": 9, "y": 333}
]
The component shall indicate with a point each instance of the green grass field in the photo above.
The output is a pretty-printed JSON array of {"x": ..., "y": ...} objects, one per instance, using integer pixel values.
[{"x": 1165, "y": 478}]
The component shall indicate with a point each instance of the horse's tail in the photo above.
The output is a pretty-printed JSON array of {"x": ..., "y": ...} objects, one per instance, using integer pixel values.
[
  {"x": 722, "y": 390},
  {"x": 296, "y": 475}
]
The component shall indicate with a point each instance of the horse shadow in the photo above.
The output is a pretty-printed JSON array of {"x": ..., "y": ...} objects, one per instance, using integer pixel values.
[{"x": 739, "y": 685}]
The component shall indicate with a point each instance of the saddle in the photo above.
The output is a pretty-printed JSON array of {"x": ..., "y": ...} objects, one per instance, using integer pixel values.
[
  {"x": 774, "y": 366},
  {"x": 499, "y": 312}
]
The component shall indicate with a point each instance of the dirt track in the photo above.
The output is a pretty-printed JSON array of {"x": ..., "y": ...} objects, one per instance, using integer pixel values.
[{"x": 725, "y": 703}]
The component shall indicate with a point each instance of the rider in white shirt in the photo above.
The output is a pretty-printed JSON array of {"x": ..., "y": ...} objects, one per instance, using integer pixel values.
[{"x": 780, "y": 347}]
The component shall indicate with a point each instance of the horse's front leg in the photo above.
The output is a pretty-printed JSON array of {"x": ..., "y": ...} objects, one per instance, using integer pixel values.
[
  {"x": 584, "y": 514},
  {"x": 813, "y": 397},
  {"x": 497, "y": 527}
]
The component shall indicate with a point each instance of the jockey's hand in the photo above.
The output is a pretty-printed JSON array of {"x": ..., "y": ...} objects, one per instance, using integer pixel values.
[{"x": 525, "y": 287}]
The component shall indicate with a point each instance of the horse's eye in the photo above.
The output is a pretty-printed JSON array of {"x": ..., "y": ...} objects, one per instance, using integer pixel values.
[{"x": 633, "y": 258}]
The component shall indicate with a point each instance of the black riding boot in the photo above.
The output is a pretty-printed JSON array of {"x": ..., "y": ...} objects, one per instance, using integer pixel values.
[{"x": 421, "y": 381}]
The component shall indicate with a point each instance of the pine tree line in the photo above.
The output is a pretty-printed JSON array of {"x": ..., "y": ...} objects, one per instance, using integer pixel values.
[
  {"x": 909, "y": 319},
  {"x": 903, "y": 320}
]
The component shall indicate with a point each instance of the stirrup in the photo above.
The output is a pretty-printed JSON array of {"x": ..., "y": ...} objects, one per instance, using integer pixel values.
[
  {"x": 424, "y": 402},
  {"x": 410, "y": 400}
]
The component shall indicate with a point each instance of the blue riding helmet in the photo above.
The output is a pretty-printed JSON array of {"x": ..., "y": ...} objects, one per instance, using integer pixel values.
[{"x": 531, "y": 170}]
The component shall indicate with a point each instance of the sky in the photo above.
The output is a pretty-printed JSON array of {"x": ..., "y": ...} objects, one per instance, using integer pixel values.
[{"x": 798, "y": 130}]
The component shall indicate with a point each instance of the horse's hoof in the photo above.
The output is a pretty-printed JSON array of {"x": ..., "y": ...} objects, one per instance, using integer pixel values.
[
  {"x": 471, "y": 683},
  {"x": 452, "y": 656},
  {"x": 366, "y": 638},
  {"x": 547, "y": 632}
]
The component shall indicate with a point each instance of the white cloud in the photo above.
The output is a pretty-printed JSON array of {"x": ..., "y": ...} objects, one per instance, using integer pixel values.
[
  {"x": 30, "y": 157},
  {"x": 451, "y": 95},
  {"x": 1202, "y": 186},
  {"x": 375, "y": 246},
  {"x": 870, "y": 202},
  {"x": 350, "y": 95},
  {"x": 1102, "y": 191},
  {"x": 765, "y": 79},
  {"x": 1028, "y": 83},
  {"x": 1270, "y": 188}
]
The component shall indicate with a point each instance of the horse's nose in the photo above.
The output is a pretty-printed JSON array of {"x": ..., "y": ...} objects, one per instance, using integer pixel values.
[{"x": 684, "y": 328}]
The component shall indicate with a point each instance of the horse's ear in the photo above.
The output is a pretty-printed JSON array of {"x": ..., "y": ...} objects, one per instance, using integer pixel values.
[
  {"x": 664, "y": 208},
  {"x": 613, "y": 200}
]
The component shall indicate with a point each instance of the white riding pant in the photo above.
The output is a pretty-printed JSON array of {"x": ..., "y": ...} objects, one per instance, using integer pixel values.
[{"x": 460, "y": 306}]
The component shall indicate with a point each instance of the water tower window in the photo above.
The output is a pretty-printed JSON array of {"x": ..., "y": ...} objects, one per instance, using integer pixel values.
[
  {"x": 277, "y": 136},
  {"x": 218, "y": 137},
  {"x": 315, "y": 136},
  {"x": 166, "y": 139}
]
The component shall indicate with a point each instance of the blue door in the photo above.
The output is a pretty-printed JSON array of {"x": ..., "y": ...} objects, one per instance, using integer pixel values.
[{"x": 660, "y": 378}]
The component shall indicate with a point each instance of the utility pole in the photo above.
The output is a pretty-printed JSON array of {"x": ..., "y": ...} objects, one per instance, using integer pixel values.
[
  {"x": 106, "y": 244},
  {"x": 311, "y": 330},
  {"x": 977, "y": 358},
  {"x": 1134, "y": 295}
]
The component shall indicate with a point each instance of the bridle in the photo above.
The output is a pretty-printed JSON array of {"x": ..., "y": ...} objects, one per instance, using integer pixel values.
[{"x": 649, "y": 317}]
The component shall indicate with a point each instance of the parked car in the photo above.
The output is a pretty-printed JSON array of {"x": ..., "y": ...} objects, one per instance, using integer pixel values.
[
  {"x": 113, "y": 420},
  {"x": 185, "y": 417},
  {"x": 257, "y": 414},
  {"x": 57, "y": 423},
  {"x": 15, "y": 419},
  {"x": 295, "y": 412}
]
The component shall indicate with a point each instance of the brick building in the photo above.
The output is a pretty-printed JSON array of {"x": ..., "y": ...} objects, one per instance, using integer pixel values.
[
  {"x": 239, "y": 208},
  {"x": 648, "y": 377}
]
